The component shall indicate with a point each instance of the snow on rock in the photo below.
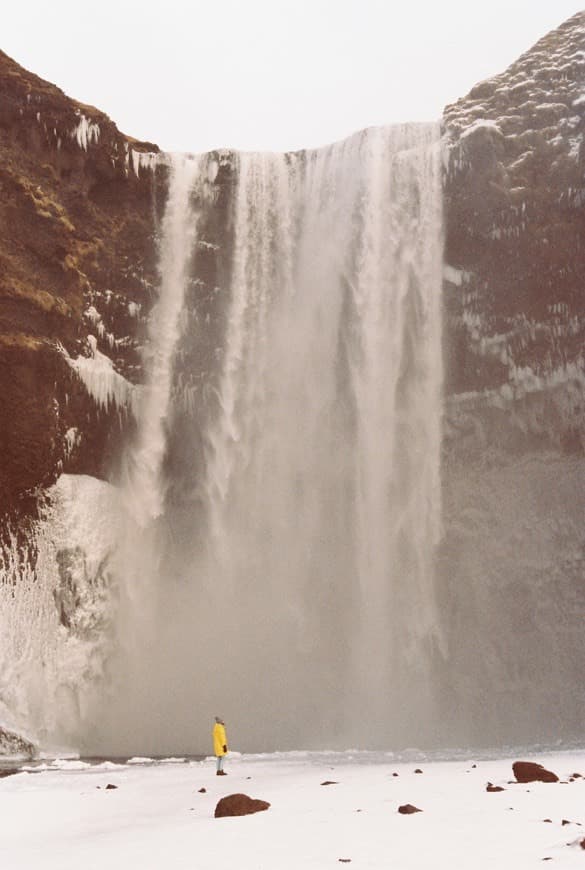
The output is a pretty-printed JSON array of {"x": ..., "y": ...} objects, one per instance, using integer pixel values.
[
  {"x": 15, "y": 745},
  {"x": 55, "y": 611},
  {"x": 85, "y": 132},
  {"x": 104, "y": 384},
  {"x": 72, "y": 440},
  {"x": 515, "y": 164},
  {"x": 143, "y": 160}
]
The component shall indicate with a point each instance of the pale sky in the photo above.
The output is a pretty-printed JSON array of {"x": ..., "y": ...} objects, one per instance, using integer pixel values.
[{"x": 192, "y": 75}]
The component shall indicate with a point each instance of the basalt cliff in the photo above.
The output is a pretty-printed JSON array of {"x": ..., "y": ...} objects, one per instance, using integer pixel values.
[{"x": 513, "y": 465}]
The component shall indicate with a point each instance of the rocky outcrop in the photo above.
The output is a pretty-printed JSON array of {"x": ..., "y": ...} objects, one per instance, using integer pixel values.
[
  {"x": 239, "y": 805},
  {"x": 77, "y": 218},
  {"x": 408, "y": 809}
]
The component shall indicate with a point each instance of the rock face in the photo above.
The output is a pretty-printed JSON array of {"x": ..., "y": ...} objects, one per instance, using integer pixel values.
[
  {"x": 515, "y": 218},
  {"x": 513, "y": 550},
  {"x": 239, "y": 805},
  {"x": 529, "y": 771},
  {"x": 76, "y": 259}
]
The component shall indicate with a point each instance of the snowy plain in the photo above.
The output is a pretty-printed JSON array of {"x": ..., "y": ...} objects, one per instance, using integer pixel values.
[{"x": 60, "y": 816}]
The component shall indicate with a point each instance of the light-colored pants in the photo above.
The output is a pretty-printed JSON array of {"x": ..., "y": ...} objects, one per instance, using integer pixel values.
[{"x": 220, "y": 759}]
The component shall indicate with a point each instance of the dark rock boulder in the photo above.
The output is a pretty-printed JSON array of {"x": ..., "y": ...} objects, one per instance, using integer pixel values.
[
  {"x": 493, "y": 788},
  {"x": 408, "y": 809},
  {"x": 239, "y": 805},
  {"x": 529, "y": 771}
]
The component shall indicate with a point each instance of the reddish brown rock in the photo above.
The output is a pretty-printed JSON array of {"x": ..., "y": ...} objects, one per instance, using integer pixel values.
[
  {"x": 76, "y": 230},
  {"x": 491, "y": 787},
  {"x": 408, "y": 809},
  {"x": 239, "y": 805},
  {"x": 529, "y": 771}
]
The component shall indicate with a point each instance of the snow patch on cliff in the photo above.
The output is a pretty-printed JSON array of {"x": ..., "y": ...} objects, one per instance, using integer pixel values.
[
  {"x": 85, "y": 132},
  {"x": 103, "y": 383},
  {"x": 55, "y": 610},
  {"x": 455, "y": 276},
  {"x": 147, "y": 160}
]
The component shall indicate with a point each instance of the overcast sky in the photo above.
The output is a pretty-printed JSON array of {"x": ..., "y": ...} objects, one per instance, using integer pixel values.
[{"x": 191, "y": 75}]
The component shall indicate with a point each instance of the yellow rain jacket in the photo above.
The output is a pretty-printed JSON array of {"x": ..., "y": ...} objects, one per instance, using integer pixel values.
[{"x": 219, "y": 739}]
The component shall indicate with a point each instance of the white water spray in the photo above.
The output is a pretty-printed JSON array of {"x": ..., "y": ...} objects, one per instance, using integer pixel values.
[
  {"x": 144, "y": 483},
  {"x": 323, "y": 466}
]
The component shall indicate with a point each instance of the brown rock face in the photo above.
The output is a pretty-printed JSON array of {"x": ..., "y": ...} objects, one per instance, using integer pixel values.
[
  {"x": 515, "y": 217},
  {"x": 408, "y": 809},
  {"x": 529, "y": 771},
  {"x": 76, "y": 248},
  {"x": 239, "y": 805}
]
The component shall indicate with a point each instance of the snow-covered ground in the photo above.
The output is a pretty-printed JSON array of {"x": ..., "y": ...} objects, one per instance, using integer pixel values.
[{"x": 62, "y": 817}]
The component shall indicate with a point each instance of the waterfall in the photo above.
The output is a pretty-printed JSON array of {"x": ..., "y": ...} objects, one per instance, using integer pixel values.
[
  {"x": 322, "y": 471},
  {"x": 290, "y": 475},
  {"x": 144, "y": 483},
  {"x": 267, "y": 552}
]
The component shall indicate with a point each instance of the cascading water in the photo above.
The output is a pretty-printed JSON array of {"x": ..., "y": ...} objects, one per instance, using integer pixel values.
[
  {"x": 270, "y": 549},
  {"x": 290, "y": 586}
]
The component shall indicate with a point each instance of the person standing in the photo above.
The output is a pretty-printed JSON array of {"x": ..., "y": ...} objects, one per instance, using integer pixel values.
[{"x": 220, "y": 747}]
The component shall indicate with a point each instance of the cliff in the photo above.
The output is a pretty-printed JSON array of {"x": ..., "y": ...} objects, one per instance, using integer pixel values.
[
  {"x": 514, "y": 197},
  {"x": 512, "y": 559},
  {"x": 78, "y": 219}
]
